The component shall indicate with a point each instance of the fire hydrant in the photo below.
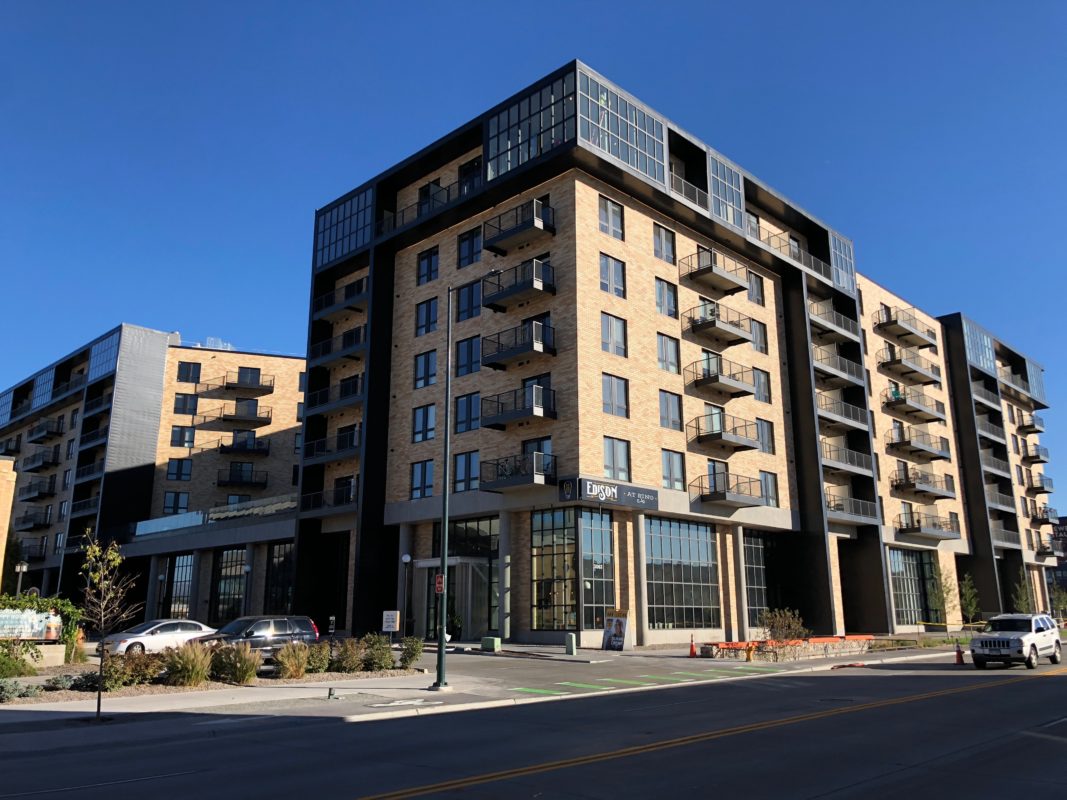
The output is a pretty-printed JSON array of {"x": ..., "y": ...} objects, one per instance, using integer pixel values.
[{"x": 750, "y": 650}]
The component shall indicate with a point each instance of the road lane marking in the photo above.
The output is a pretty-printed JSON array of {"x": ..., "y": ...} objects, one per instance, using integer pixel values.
[
  {"x": 758, "y": 669},
  {"x": 693, "y": 674},
  {"x": 234, "y": 720},
  {"x": 682, "y": 741},
  {"x": 583, "y": 685},
  {"x": 102, "y": 783},
  {"x": 627, "y": 682},
  {"x": 667, "y": 678},
  {"x": 538, "y": 691}
]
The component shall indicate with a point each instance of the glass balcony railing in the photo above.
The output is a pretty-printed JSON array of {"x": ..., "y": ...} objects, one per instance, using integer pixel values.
[
  {"x": 839, "y": 408},
  {"x": 838, "y": 456},
  {"x": 851, "y": 506}
]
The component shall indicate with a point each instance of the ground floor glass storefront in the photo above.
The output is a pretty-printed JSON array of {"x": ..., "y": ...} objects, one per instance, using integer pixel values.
[
  {"x": 473, "y": 579},
  {"x": 915, "y": 583},
  {"x": 682, "y": 574}
]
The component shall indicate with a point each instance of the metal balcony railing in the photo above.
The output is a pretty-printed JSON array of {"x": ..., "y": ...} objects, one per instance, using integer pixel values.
[
  {"x": 89, "y": 471},
  {"x": 842, "y": 455},
  {"x": 1045, "y": 515},
  {"x": 525, "y": 468},
  {"x": 1013, "y": 379},
  {"x": 61, "y": 389},
  {"x": 46, "y": 429},
  {"x": 531, "y": 276},
  {"x": 840, "y": 408},
  {"x": 908, "y": 359},
  {"x": 96, "y": 404},
  {"x": 253, "y": 447},
  {"x": 919, "y": 479},
  {"x": 241, "y": 412},
  {"x": 851, "y": 506},
  {"x": 1035, "y": 454},
  {"x": 781, "y": 243},
  {"x": 93, "y": 437},
  {"x": 341, "y": 295},
  {"x": 241, "y": 477},
  {"x": 995, "y": 464},
  {"x": 694, "y": 194},
  {"x": 838, "y": 363},
  {"x": 715, "y": 367},
  {"x": 1031, "y": 423},
  {"x": 1039, "y": 483},
  {"x": 917, "y": 439},
  {"x": 984, "y": 394},
  {"x": 352, "y": 388},
  {"x": 525, "y": 402},
  {"x": 721, "y": 485},
  {"x": 37, "y": 488},
  {"x": 85, "y": 506},
  {"x": 990, "y": 429},
  {"x": 439, "y": 197},
  {"x": 338, "y": 497},
  {"x": 904, "y": 320},
  {"x": 916, "y": 522},
  {"x": 238, "y": 380},
  {"x": 530, "y": 336},
  {"x": 717, "y": 315},
  {"x": 825, "y": 313},
  {"x": 511, "y": 226},
  {"x": 912, "y": 399},
  {"x": 10, "y": 446},
  {"x": 711, "y": 425},
  {"x": 42, "y": 457},
  {"x": 333, "y": 445},
  {"x": 33, "y": 552},
  {"x": 339, "y": 345},
  {"x": 714, "y": 266},
  {"x": 1004, "y": 501},
  {"x": 1003, "y": 536}
]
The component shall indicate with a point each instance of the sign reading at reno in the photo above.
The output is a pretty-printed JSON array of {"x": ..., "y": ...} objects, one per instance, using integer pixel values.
[
  {"x": 33, "y": 625},
  {"x": 571, "y": 489}
]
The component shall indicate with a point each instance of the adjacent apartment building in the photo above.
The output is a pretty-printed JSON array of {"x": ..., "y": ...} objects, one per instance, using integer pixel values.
[
  {"x": 144, "y": 440},
  {"x": 671, "y": 395}
]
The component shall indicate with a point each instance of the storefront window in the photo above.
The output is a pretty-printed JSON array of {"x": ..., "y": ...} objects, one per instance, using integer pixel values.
[
  {"x": 228, "y": 586},
  {"x": 682, "y": 575},
  {"x": 553, "y": 570},
  {"x": 914, "y": 581},
  {"x": 598, "y": 568},
  {"x": 279, "y": 594}
]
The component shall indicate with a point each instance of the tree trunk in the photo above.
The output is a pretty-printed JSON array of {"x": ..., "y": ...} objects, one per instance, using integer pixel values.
[{"x": 100, "y": 681}]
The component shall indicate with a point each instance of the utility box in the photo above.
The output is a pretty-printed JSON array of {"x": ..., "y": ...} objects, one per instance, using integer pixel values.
[
  {"x": 491, "y": 644},
  {"x": 571, "y": 643}
]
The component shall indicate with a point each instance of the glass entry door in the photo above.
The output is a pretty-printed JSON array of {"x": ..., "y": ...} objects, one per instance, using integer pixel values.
[{"x": 469, "y": 582}]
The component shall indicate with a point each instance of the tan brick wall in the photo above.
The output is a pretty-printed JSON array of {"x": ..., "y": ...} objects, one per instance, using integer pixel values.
[{"x": 7, "y": 499}]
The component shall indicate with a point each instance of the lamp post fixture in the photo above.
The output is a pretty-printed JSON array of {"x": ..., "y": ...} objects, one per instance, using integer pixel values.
[
  {"x": 441, "y": 684},
  {"x": 20, "y": 568}
]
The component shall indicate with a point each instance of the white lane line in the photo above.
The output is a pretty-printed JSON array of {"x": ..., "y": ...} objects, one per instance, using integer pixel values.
[
  {"x": 231, "y": 721},
  {"x": 104, "y": 783},
  {"x": 1055, "y": 722}
]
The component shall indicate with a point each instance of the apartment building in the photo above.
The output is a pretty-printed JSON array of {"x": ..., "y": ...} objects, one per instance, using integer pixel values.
[
  {"x": 137, "y": 426},
  {"x": 669, "y": 396}
]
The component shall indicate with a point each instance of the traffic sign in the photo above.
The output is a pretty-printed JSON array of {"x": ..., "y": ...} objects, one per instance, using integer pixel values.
[
  {"x": 390, "y": 621},
  {"x": 439, "y": 583}
]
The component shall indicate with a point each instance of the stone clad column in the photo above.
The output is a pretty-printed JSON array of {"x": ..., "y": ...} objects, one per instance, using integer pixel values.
[{"x": 640, "y": 579}]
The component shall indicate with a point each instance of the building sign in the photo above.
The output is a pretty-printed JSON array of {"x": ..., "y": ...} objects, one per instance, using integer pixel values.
[
  {"x": 615, "y": 623},
  {"x": 607, "y": 492},
  {"x": 390, "y": 621},
  {"x": 33, "y": 625}
]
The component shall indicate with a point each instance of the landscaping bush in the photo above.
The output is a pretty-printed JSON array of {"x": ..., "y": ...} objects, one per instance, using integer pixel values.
[
  {"x": 86, "y": 682},
  {"x": 115, "y": 673},
  {"x": 142, "y": 668},
  {"x": 235, "y": 664},
  {"x": 188, "y": 665},
  {"x": 292, "y": 660},
  {"x": 348, "y": 657},
  {"x": 377, "y": 653},
  {"x": 410, "y": 651},
  {"x": 9, "y": 690},
  {"x": 59, "y": 683},
  {"x": 319, "y": 657},
  {"x": 783, "y": 625},
  {"x": 14, "y": 667},
  {"x": 15, "y": 658}
]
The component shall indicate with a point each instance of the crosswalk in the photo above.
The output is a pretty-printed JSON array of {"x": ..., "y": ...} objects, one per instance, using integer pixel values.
[{"x": 596, "y": 685}]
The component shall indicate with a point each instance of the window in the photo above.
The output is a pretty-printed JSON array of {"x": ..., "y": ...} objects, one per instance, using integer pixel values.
[
  {"x": 426, "y": 369},
  {"x": 469, "y": 248},
  {"x": 185, "y": 403},
  {"x": 616, "y": 395},
  {"x": 612, "y": 334},
  {"x": 914, "y": 580},
  {"x": 757, "y": 548},
  {"x": 179, "y": 469},
  {"x": 427, "y": 267},
  {"x": 1019, "y": 475},
  {"x": 182, "y": 435},
  {"x": 468, "y": 301},
  {"x": 670, "y": 410},
  {"x": 762, "y": 381},
  {"x": 681, "y": 574},
  {"x": 611, "y": 218},
  {"x": 74, "y": 418},
  {"x": 759, "y": 336},
  {"x": 536, "y": 123},
  {"x": 673, "y": 469},
  {"x": 598, "y": 567},
  {"x": 426, "y": 317},
  {"x": 1011, "y": 415},
  {"x": 421, "y": 479},
  {"x": 302, "y": 382},
  {"x": 667, "y": 353},
  {"x": 300, "y": 412},
  {"x": 423, "y": 422},
  {"x": 468, "y": 412},
  {"x": 616, "y": 459},
  {"x": 466, "y": 472},
  {"x": 188, "y": 372},
  {"x": 228, "y": 586},
  {"x": 280, "y": 578},
  {"x": 237, "y": 499},
  {"x": 553, "y": 570},
  {"x": 1015, "y": 444},
  {"x": 612, "y": 276},
  {"x": 663, "y": 243},
  {"x": 468, "y": 355},
  {"x": 755, "y": 288},
  {"x": 70, "y": 448},
  {"x": 175, "y": 502},
  {"x": 765, "y": 434},
  {"x": 64, "y": 509},
  {"x": 768, "y": 482},
  {"x": 666, "y": 298}
]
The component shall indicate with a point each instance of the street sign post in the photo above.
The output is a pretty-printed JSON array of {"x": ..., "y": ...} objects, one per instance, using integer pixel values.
[{"x": 439, "y": 583}]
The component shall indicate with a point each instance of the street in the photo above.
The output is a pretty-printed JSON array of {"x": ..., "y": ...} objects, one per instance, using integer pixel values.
[{"x": 925, "y": 728}]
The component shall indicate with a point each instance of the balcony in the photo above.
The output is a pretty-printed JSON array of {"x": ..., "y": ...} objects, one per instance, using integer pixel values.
[
  {"x": 1035, "y": 454},
  {"x": 1044, "y": 515},
  {"x": 683, "y": 188},
  {"x": 1031, "y": 423},
  {"x": 983, "y": 395},
  {"x": 1044, "y": 550},
  {"x": 350, "y": 344},
  {"x": 75, "y": 383},
  {"x": 246, "y": 413},
  {"x": 242, "y": 477},
  {"x": 45, "y": 429},
  {"x": 720, "y": 375},
  {"x": 725, "y": 431},
  {"x": 528, "y": 469},
  {"x": 928, "y": 525},
  {"x": 990, "y": 430},
  {"x": 1002, "y": 537},
  {"x": 995, "y": 466},
  {"x": 903, "y": 324},
  {"x": 33, "y": 552},
  {"x": 916, "y": 444},
  {"x": 913, "y": 404},
  {"x": 837, "y": 415},
  {"x": 725, "y": 489},
  {"x": 96, "y": 405},
  {"x": 89, "y": 471},
  {"x": 999, "y": 501},
  {"x": 836, "y": 371},
  {"x": 1013, "y": 380},
  {"x": 530, "y": 338},
  {"x": 787, "y": 247},
  {"x": 248, "y": 383},
  {"x": 832, "y": 325},
  {"x": 531, "y": 278},
  {"x": 245, "y": 447},
  {"x": 349, "y": 392},
  {"x": 530, "y": 402},
  {"x": 851, "y": 510},
  {"x": 440, "y": 197},
  {"x": 713, "y": 269},
  {"x": 843, "y": 460},
  {"x": 908, "y": 365},
  {"x": 1038, "y": 484},
  {"x": 93, "y": 438},
  {"x": 43, "y": 458},
  {"x": 352, "y": 296},
  {"x": 924, "y": 484},
  {"x": 84, "y": 508},
  {"x": 518, "y": 226},
  {"x": 338, "y": 499},
  {"x": 718, "y": 324},
  {"x": 335, "y": 448},
  {"x": 36, "y": 489},
  {"x": 10, "y": 447},
  {"x": 33, "y": 520}
]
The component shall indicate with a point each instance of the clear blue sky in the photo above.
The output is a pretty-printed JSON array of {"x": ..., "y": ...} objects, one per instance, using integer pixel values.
[{"x": 161, "y": 163}]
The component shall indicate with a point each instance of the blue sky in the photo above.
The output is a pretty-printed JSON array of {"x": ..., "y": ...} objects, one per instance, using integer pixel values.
[{"x": 161, "y": 163}]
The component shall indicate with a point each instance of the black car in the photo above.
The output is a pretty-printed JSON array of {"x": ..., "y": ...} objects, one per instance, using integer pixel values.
[{"x": 265, "y": 634}]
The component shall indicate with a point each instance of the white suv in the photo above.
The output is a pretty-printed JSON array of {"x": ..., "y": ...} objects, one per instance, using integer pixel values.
[{"x": 1017, "y": 638}]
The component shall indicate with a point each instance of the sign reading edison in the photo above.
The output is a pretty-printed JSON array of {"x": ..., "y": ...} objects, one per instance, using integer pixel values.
[{"x": 571, "y": 489}]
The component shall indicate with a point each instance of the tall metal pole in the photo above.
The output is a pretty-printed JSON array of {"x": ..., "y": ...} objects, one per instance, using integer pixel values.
[{"x": 442, "y": 600}]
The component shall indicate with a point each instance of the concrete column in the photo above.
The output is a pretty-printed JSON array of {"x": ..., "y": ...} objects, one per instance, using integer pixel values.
[
  {"x": 405, "y": 547},
  {"x": 640, "y": 578},
  {"x": 200, "y": 596},
  {"x": 741, "y": 597},
  {"x": 151, "y": 605},
  {"x": 256, "y": 555},
  {"x": 503, "y": 566}
]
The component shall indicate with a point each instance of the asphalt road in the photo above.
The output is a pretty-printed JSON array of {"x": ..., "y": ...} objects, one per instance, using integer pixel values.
[{"x": 923, "y": 729}]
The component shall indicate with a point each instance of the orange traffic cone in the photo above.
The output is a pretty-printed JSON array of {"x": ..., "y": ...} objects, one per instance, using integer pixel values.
[
  {"x": 959, "y": 655},
  {"x": 692, "y": 647}
]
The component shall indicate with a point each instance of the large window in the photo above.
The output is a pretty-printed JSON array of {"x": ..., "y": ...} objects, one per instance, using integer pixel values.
[
  {"x": 755, "y": 288},
  {"x": 663, "y": 243},
  {"x": 670, "y": 410},
  {"x": 667, "y": 353},
  {"x": 422, "y": 479},
  {"x": 427, "y": 267},
  {"x": 756, "y": 576},
  {"x": 621, "y": 129},
  {"x": 468, "y": 355},
  {"x": 423, "y": 423},
  {"x": 727, "y": 199},
  {"x": 553, "y": 570},
  {"x": 768, "y": 482},
  {"x": 673, "y": 469},
  {"x": 682, "y": 575},
  {"x": 765, "y": 434},
  {"x": 183, "y": 404},
  {"x": 666, "y": 298},
  {"x": 179, "y": 469},
  {"x": 612, "y": 276},
  {"x": 616, "y": 458},
  {"x": 175, "y": 602},
  {"x": 762, "y": 381},
  {"x": 278, "y": 597},
  {"x": 426, "y": 369},
  {"x": 426, "y": 316},
  {"x": 469, "y": 248},
  {"x": 612, "y": 335},
  {"x": 913, "y": 578},
  {"x": 538, "y": 122},
  {"x": 598, "y": 567},
  {"x": 466, "y": 472},
  {"x": 468, "y": 301},
  {"x": 611, "y": 219},
  {"x": 227, "y": 586},
  {"x": 175, "y": 502},
  {"x": 468, "y": 412},
  {"x": 759, "y": 336},
  {"x": 188, "y": 372},
  {"x": 344, "y": 228},
  {"x": 615, "y": 394}
]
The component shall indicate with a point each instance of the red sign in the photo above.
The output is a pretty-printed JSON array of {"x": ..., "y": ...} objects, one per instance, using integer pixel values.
[{"x": 439, "y": 583}]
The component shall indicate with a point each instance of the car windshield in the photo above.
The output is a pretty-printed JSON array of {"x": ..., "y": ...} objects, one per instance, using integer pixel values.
[
  {"x": 239, "y": 625},
  {"x": 144, "y": 627},
  {"x": 1004, "y": 625}
]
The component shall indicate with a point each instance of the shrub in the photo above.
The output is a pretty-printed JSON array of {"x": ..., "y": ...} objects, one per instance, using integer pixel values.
[
  {"x": 783, "y": 625},
  {"x": 377, "y": 653},
  {"x": 142, "y": 668},
  {"x": 292, "y": 660},
  {"x": 15, "y": 658},
  {"x": 115, "y": 673},
  {"x": 348, "y": 656},
  {"x": 86, "y": 682},
  {"x": 319, "y": 657},
  {"x": 235, "y": 664},
  {"x": 14, "y": 667},
  {"x": 410, "y": 651},
  {"x": 9, "y": 690},
  {"x": 59, "y": 683},
  {"x": 75, "y": 654},
  {"x": 188, "y": 665}
]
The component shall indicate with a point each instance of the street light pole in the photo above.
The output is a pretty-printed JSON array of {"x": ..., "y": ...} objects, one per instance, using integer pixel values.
[
  {"x": 20, "y": 568},
  {"x": 441, "y": 684}
]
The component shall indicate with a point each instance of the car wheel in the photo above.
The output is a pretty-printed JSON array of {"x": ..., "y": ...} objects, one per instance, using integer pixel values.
[
  {"x": 1057, "y": 654},
  {"x": 1031, "y": 660},
  {"x": 135, "y": 649},
  {"x": 979, "y": 663}
]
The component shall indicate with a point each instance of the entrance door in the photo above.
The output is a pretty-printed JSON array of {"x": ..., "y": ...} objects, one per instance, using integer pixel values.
[{"x": 469, "y": 582}]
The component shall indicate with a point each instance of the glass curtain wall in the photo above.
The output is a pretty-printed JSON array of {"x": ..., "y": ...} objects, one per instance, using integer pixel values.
[{"x": 682, "y": 575}]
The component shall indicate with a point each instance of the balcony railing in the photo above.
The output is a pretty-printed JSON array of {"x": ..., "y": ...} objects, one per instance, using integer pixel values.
[
  {"x": 906, "y": 326},
  {"x": 990, "y": 429},
  {"x": 1044, "y": 515},
  {"x": 993, "y": 464},
  {"x": 91, "y": 438},
  {"x": 249, "y": 382},
  {"x": 349, "y": 297},
  {"x": 982, "y": 393},
  {"x": 530, "y": 278},
  {"x": 1003, "y": 537},
  {"x": 1035, "y": 454},
  {"x": 528, "y": 402},
  {"x": 715, "y": 269},
  {"x": 1031, "y": 423},
  {"x": 1013, "y": 379},
  {"x": 46, "y": 429},
  {"x": 824, "y": 316},
  {"x": 518, "y": 226},
  {"x": 241, "y": 477},
  {"x": 439, "y": 197},
  {"x": 721, "y": 375},
  {"x": 33, "y": 552},
  {"x": 728, "y": 489},
  {"x": 781, "y": 243},
  {"x": 724, "y": 430},
  {"x": 343, "y": 393},
  {"x": 337, "y": 446},
  {"x": 1039, "y": 484},
  {"x": 97, "y": 404},
  {"x": 838, "y": 368},
  {"x": 248, "y": 447},
  {"x": 694, "y": 194},
  {"x": 32, "y": 520},
  {"x": 339, "y": 497},
  {"x": 842, "y": 459},
  {"x": 526, "y": 469},
  {"x": 1001, "y": 501},
  {"x": 926, "y": 483},
  {"x": 84, "y": 507},
  {"x": 41, "y": 458},
  {"x": 928, "y": 525},
  {"x": 838, "y": 410},
  {"x": 88, "y": 471},
  {"x": 531, "y": 337},
  {"x": 851, "y": 506},
  {"x": 247, "y": 413},
  {"x": 350, "y": 343},
  {"x": 916, "y": 443},
  {"x": 913, "y": 403},
  {"x": 909, "y": 364},
  {"x": 10, "y": 446},
  {"x": 37, "y": 488},
  {"x": 719, "y": 323}
]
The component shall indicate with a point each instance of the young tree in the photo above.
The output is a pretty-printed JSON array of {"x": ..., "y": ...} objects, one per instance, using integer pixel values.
[
  {"x": 969, "y": 603},
  {"x": 105, "y": 607},
  {"x": 1022, "y": 597},
  {"x": 1059, "y": 600},
  {"x": 941, "y": 597}
]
